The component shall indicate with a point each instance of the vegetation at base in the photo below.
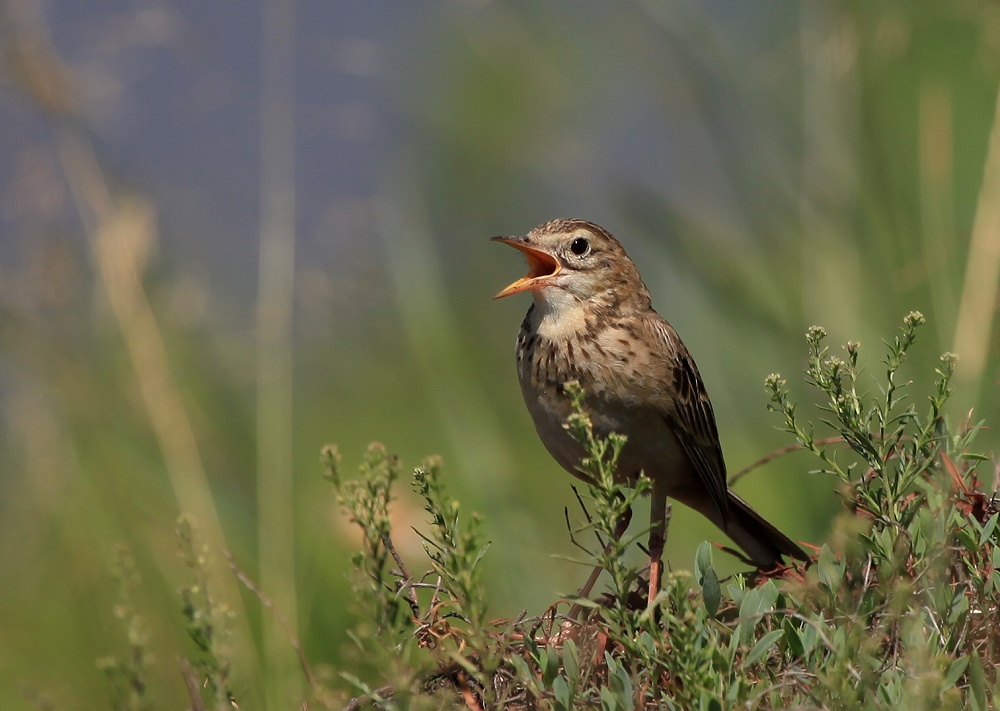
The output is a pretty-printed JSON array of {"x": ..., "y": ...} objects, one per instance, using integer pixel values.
[{"x": 898, "y": 610}]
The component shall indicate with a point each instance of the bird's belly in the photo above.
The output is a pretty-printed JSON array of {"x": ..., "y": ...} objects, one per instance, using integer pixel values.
[{"x": 651, "y": 445}]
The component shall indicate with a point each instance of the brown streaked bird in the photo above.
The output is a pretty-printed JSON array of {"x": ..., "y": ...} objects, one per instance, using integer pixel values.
[{"x": 592, "y": 321}]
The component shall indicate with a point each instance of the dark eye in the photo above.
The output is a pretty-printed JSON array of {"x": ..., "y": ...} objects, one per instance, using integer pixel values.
[{"x": 580, "y": 246}]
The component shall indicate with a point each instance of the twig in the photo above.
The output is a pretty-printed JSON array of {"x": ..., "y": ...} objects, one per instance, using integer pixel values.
[
  {"x": 193, "y": 687},
  {"x": 406, "y": 582},
  {"x": 583, "y": 506},
  {"x": 269, "y": 604},
  {"x": 381, "y": 694},
  {"x": 779, "y": 453},
  {"x": 435, "y": 598},
  {"x": 586, "y": 514},
  {"x": 572, "y": 535}
]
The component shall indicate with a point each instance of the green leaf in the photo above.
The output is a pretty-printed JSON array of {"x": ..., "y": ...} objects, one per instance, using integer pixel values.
[
  {"x": 762, "y": 647},
  {"x": 994, "y": 582},
  {"x": 621, "y": 684},
  {"x": 702, "y": 560},
  {"x": 736, "y": 594},
  {"x": 793, "y": 642},
  {"x": 977, "y": 683},
  {"x": 608, "y": 701},
  {"x": 550, "y": 666},
  {"x": 748, "y": 618},
  {"x": 711, "y": 592},
  {"x": 646, "y": 645},
  {"x": 560, "y": 689},
  {"x": 967, "y": 539},
  {"x": 356, "y": 682},
  {"x": 734, "y": 641},
  {"x": 958, "y": 608},
  {"x": 955, "y": 670},
  {"x": 750, "y": 605},
  {"x": 571, "y": 660},
  {"x": 809, "y": 636},
  {"x": 988, "y": 529},
  {"x": 521, "y": 667},
  {"x": 584, "y": 602},
  {"x": 768, "y": 597},
  {"x": 755, "y": 603}
]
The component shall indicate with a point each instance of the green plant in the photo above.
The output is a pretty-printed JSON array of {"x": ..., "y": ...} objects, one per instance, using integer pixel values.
[
  {"x": 127, "y": 675},
  {"x": 902, "y": 599},
  {"x": 207, "y": 672},
  {"x": 898, "y": 609},
  {"x": 425, "y": 634}
]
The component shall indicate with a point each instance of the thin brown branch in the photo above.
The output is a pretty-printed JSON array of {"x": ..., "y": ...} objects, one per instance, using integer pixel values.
[
  {"x": 406, "y": 582},
  {"x": 779, "y": 453},
  {"x": 269, "y": 604},
  {"x": 192, "y": 685},
  {"x": 590, "y": 521},
  {"x": 381, "y": 694}
]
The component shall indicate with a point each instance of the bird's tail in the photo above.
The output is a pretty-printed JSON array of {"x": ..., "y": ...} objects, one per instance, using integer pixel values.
[{"x": 761, "y": 541}]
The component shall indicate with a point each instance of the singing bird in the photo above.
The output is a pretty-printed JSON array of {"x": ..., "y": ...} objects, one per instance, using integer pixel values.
[{"x": 592, "y": 321}]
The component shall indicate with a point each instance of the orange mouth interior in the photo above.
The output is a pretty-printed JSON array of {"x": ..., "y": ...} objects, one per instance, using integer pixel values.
[{"x": 541, "y": 266}]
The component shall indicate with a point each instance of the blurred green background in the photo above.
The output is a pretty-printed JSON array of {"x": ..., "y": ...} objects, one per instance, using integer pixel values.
[{"x": 233, "y": 233}]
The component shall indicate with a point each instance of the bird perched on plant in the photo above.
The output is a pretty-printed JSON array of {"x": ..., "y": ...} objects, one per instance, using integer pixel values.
[{"x": 592, "y": 321}]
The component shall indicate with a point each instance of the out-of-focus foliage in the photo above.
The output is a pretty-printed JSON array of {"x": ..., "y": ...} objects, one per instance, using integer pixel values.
[{"x": 768, "y": 166}]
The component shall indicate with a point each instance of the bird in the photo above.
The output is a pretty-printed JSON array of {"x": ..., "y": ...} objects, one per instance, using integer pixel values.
[{"x": 592, "y": 321}]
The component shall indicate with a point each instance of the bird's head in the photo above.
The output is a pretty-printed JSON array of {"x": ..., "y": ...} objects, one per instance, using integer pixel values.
[{"x": 575, "y": 260}]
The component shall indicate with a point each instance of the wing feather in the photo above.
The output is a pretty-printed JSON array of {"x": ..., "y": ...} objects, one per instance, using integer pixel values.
[{"x": 690, "y": 414}]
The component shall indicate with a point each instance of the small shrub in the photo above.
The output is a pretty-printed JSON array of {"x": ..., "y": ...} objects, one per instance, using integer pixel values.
[{"x": 897, "y": 611}]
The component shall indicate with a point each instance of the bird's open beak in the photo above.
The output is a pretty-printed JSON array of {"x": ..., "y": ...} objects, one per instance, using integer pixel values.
[{"x": 541, "y": 266}]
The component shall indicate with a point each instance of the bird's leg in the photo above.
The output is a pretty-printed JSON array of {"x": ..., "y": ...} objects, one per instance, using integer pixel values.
[
  {"x": 658, "y": 519},
  {"x": 620, "y": 528}
]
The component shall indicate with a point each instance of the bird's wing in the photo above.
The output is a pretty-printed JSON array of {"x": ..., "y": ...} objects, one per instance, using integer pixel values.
[{"x": 689, "y": 411}]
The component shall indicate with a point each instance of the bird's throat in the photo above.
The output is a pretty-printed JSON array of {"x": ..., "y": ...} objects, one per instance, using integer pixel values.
[{"x": 560, "y": 316}]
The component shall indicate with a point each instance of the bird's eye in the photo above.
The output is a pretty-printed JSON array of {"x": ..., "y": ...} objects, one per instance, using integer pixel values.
[{"x": 580, "y": 246}]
